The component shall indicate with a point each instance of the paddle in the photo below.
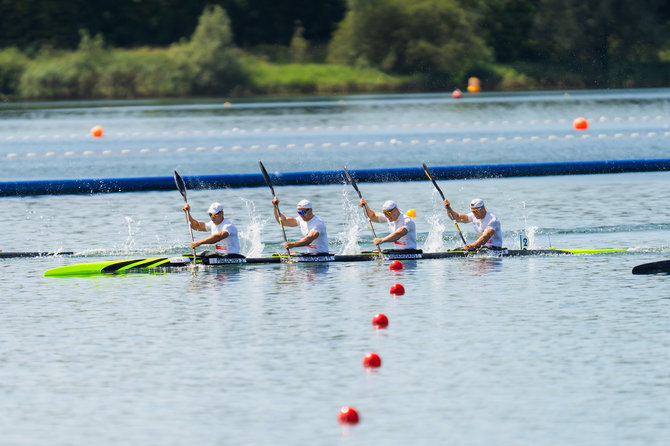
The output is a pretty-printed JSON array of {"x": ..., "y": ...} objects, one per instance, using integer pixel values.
[
  {"x": 449, "y": 211},
  {"x": 365, "y": 210},
  {"x": 272, "y": 189},
  {"x": 182, "y": 189}
]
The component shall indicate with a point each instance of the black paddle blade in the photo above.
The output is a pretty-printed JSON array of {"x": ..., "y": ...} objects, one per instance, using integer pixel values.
[
  {"x": 352, "y": 182},
  {"x": 266, "y": 177},
  {"x": 661, "y": 267},
  {"x": 178, "y": 180}
]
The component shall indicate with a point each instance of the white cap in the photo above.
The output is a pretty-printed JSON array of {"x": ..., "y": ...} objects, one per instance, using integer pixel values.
[
  {"x": 215, "y": 208},
  {"x": 304, "y": 204},
  {"x": 477, "y": 203},
  {"x": 388, "y": 205}
]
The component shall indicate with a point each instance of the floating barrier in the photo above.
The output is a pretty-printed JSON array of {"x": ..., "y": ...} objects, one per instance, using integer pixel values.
[{"x": 142, "y": 184}]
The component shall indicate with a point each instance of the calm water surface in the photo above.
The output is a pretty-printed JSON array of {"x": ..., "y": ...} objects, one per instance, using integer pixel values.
[{"x": 548, "y": 350}]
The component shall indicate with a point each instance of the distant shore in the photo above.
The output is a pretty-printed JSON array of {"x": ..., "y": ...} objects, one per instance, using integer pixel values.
[{"x": 157, "y": 73}]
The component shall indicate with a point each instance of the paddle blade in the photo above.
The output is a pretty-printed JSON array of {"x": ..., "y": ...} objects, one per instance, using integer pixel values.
[
  {"x": 266, "y": 177},
  {"x": 430, "y": 177},
  {"x": 352, "y": 182},
  {"x": 179, "y": 181},
  {"x": 660, "y": 267}
]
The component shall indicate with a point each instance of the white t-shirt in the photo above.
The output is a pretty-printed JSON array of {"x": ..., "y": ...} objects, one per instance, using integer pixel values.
[
  {"x": 320, "y": 244},
  {"x": 230, "y": 244},
  {"x": 407, "y": 241},
  {"x": 489, "y": 221}
]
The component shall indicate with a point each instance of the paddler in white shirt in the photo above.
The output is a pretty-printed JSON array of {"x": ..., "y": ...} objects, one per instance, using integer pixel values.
[
  {"x": 486, "y": 224},
  {"x": 401, "y": 226},
  {"x": 223, "y": 231},
  {"x": 313, "y": 229}
]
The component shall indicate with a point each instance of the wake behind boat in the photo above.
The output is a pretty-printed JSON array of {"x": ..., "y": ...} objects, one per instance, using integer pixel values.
[{"x": 166, "y": 264}]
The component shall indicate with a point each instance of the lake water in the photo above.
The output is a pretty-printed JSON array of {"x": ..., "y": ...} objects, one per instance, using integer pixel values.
[{"x": 552, "y": 350}]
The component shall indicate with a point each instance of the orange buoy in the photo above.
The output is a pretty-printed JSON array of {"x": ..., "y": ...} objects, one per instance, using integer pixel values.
[
  {"x": 580, "y": 124},
  {"x": 348, "y": 415},
  {"x": 380, "y": 320},
  {"x": 372, "y": 361},
  {"x": 474, "y": 85},
  {"x": 96, "y": 131},
  {"x": 397, "y": 289}
]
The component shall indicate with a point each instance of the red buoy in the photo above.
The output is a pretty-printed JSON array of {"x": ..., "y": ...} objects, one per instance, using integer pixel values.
[
  {"x": 380, "y": 320},
  {"x": 395, "y": 265},
  {"x": 397, "y": 289},
  {"x": 348, "y": 415},
  {"x": 456, "y": 94},
  {"x": 96, "y": 131},
  {"x": 372, "y": 360},
  {"x": 580, "y": 124}
]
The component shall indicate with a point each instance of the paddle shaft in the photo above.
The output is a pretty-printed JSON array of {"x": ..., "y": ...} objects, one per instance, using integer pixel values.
[
  {"x": 449, "y": 211},
  {"x": 365, "y": 207},
  {"x": 182, "y": 189},
  {"x": 272, "y": 189}
]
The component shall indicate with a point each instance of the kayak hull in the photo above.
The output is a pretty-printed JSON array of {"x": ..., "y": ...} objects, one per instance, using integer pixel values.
[{"x": 164, "y": 263}]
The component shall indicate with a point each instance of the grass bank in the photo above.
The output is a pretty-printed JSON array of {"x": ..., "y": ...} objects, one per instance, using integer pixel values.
[{"x": 95, "y": 72}]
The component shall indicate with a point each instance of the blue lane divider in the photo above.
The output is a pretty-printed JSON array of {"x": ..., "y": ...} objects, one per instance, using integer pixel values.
[{"x": 108, "y": 185}]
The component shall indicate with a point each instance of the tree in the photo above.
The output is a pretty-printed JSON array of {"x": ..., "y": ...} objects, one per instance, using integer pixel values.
[
  {"x": 433, "y": 37},
  {"x": 592, "y": 35},
  {"x": 209, "y": 58}
]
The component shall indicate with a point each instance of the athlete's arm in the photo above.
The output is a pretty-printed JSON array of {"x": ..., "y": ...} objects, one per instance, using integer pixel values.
[
  {"x": 461, "y": 218},
  {"x": 214, "y": 238},
  {"x": 481, "y": 241},
  {"x": 372, "y": 215},
  {"x": 309, "y": 238},
  {"x": 392, "y": 237}
]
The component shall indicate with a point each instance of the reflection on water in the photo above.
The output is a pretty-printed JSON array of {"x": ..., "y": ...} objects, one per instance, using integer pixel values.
[
  {"x": 299, "y": 273},
  {"x": 480, "y": 266}
]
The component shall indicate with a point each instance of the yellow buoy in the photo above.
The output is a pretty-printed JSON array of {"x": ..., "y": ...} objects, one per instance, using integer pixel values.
[
  {"x": 474, "y": 85},
  {"x": 411, "y": 213}
]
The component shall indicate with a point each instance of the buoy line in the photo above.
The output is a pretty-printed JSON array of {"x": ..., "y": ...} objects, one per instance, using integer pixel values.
[
  {"x": 328, "y": 145},
  {"x": 302, "y": 129}
]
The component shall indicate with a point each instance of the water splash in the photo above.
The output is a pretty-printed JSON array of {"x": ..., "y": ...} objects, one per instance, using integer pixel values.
[
  {"x": 348, "y": 239},
  {"x": 435, "y": 239},
  {"x": 251, "y": 238},
  {"x": 530, "y": 232},
  {"x": 133, "y": 229}
]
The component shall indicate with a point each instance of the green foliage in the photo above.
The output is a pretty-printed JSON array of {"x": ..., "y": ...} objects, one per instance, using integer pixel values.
[
  {"x": 433, "y": 37},
  {"x": 299, "y": 46},
  {"x": 209, "y": 60},
  {"x": 507, "y": 28},
  {"x": 67, "y": 75},
  {"x": 142, "y": 73},
  {"x": 267, "y": 78},
  {"x": 12, "y": 65},
  {"x": 207, "y": 64},
  {"x": 591, "y": 36}
]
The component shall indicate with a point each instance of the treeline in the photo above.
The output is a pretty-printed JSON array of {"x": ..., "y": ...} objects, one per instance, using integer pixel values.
[{"x": 152, "y": 48}]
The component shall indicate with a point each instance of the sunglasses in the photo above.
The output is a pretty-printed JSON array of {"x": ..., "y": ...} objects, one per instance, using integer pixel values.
[
  {"x": 303, "y": 211},
  {"x": 389, "y": 212},
  {"x": 213, "y": 215}
]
